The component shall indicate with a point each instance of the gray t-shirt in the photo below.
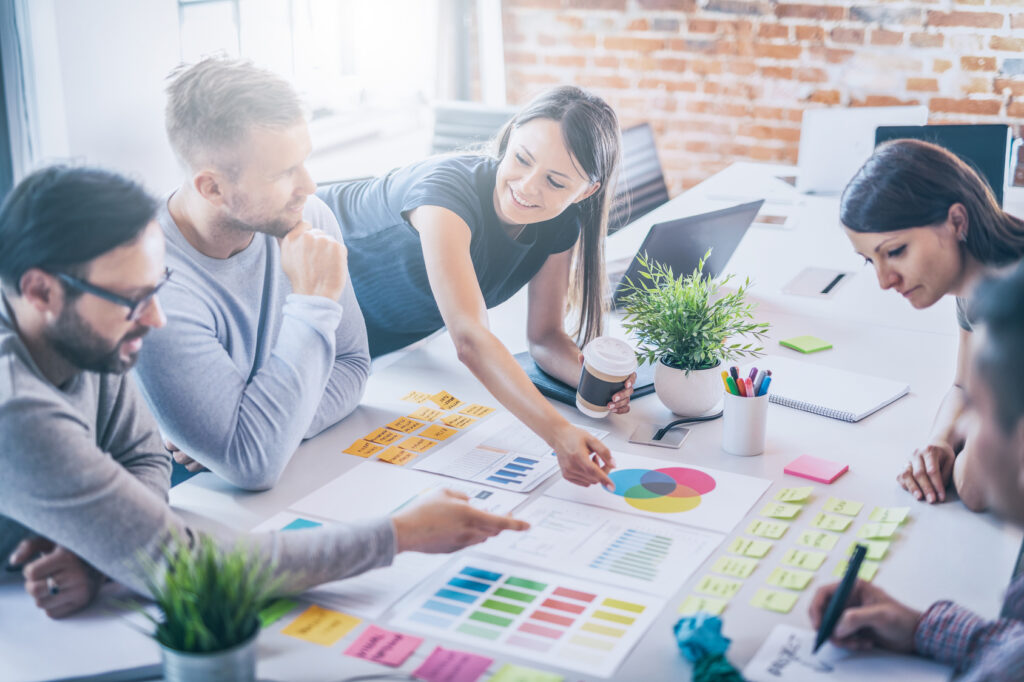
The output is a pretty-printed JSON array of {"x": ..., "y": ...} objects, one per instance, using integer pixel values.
[
  {"x": 238, "y": 392},
  {"x": 83, "y": 465},
  {"x": 961, "y": 314}
]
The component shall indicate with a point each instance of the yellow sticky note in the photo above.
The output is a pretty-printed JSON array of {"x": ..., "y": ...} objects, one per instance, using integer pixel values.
[
  {"x": 417, "y": 444},
  {"x": 724, "y": 588},
  {"x": 773, "y": 600},
  {"x": 801, "y": 494},
  {"x": 818, "y": 539},
  {"x": 695, "y": 603},
  {"x": 876, "y": 548},
  {"x": 427, "y": 414},
  {"x": 382, "y": 436},
  {"x": 781, "y": 510},
  {"x": 406, "y": 425},
  {"x": 790, "y": 578},
  {"x": 748, "y": 547},
  {"x": 890, "y": 514},
  {"x": 847, "y": 507},
  {"x": 445, "y": 400},
  {"x": 416, "y": 397},
  {"x": 831, "y": 522},
  {"x": 877, "y": 530},
  {"x": 477, "y": 410},
  {"x": 768, "y": 529},
  {"x": 511, "y": 673},
  {"x": 321, "y": 626},
  {"x": 740, "y": 567},
  {"x": 362, "y": 448},
  {"x": 438, "y": 432},
  {"x": 458, "y": 421},
  {"x": 802, "y": 558},
  {"x": 396, "y": 455},
  {"x": 867, "y": 571}
]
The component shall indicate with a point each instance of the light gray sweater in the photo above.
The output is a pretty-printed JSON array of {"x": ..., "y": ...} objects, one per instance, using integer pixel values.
[
  {"x": 83, "y": 465},
  {"x": 236, "y": 396}
]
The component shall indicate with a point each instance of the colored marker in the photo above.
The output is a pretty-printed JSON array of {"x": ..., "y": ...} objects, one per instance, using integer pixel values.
[
  {"x": 758, "y": 381},
  {"x": 753, "y": 373},
  {"x": 734, "y": 371},
  {"x": 764, "y": 386},
  {"x": 725, "y": 380},
  {"x": 748, "y": 385},
  {"x": 742, "y": 386},
  {"x": 731, "y": 383}
]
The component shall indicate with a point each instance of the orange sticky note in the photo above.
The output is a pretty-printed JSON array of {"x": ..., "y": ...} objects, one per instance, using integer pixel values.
[
  {"x": 417, "y": 444},
  {"x": 438, "y": 432},
  {"x": 362, "y": 448},
  {"x": 396, "y": 455},
  {"x": 445, "y": 400},
  {"x": 382, "y": 436},
  {"x": 416, "y": 397},
  {"x": 427, "y": 414},
  {"x": 405, "y": 425},
  {"x": 458, "y": 421},
  {"x": 321, "y": 626},
  {"x": 477, "y": 410}
]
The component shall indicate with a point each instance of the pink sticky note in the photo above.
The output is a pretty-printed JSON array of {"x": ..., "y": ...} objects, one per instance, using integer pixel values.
[
  {"x": 448, "y": 665},
  {"x": 384, "y": 646},
  {"x": 816, "y": 469}
]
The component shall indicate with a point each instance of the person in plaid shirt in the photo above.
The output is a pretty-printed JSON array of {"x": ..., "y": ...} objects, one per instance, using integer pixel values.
[{"x": 951, "y": 634}]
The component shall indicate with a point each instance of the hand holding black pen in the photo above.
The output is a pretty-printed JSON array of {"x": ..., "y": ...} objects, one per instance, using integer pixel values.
[{"x": 837, "y": 604}]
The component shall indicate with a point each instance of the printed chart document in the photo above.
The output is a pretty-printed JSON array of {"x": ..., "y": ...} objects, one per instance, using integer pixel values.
[
  {"x": 610, "y": 547},
  {"x": 786, "y": 655},
  {"x": 524, "y": 612},
  {"x": 501, "y": 452},
  {"x": 655, "y": 488}
]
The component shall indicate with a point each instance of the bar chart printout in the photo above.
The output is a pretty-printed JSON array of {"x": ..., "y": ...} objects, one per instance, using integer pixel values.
[{"x": 565, "y": 622}]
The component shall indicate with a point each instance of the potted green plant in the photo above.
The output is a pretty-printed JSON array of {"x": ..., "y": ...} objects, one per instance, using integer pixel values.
[
  {"x": 688, "y": 326},
  {"x": 209, "y": 601}
]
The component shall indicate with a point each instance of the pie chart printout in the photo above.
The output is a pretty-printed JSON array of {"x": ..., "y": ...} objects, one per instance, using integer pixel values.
[{"x": 664, "y": 491}]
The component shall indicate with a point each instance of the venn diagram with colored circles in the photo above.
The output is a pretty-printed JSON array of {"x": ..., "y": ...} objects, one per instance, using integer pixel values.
[{"x": 664, "y": 491}]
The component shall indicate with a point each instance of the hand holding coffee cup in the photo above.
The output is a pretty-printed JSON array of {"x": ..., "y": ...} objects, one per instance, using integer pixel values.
[{"x": 608, "y": 363}]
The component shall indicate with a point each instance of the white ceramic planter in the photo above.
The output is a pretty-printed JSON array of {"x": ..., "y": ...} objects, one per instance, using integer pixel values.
[
  {"x": 237, "y": 664},
  {"x": 688, "y": 395}
]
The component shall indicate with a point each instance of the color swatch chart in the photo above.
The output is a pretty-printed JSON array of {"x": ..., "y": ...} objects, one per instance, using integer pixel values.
[
  {"x": 525, "y": 612},
  {"x": 502, "y": 452}
]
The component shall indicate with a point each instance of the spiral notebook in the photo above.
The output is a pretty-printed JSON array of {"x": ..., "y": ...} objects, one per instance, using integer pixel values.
[{"x": 836, "y": 393}]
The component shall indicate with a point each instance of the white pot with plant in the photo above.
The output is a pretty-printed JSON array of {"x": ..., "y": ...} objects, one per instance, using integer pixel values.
[
  {"x": 689, "y": 327},
  {"x": 209, "y": 601}
]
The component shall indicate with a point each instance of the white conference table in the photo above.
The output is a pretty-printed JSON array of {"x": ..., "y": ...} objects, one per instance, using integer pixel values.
[{"x": 943, "y": 551}]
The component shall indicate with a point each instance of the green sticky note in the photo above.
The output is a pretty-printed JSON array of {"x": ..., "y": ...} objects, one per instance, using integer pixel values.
[
  {"x": 774, "y": 600},
  {"x": 877, "y": 530},
  {"x": 895, "y": 515},
  {"x": 790, "y": 578},
  {"x": 276, "y": 610},
  {"x": 794, "y": 494},
  {"x": 831, "y": 522},
  {"x": 748, "y": 547},
  {"x": 781, "y": 510},
  {"x": 737, "y": 566},
  {"x": 818, "y": 539},
  {"x": 876, "y": 548},
  {"x": 520, "y": 673},
  {"x": 867, "y": 571},
  {"x": 768, "y": 529},
  {"x": 724, "y": 588},
  {"x": 695, "y": 603},
  {"x": 802, "y": 558},
  {"x": 847, "y": 507},
  {"x": 806, "y": 344}
]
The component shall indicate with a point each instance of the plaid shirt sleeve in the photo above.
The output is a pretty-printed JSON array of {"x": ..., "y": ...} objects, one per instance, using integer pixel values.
[{"x": 955, "y": 636}]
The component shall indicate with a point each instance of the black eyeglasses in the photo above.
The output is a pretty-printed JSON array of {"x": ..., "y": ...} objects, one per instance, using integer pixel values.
[{"x": 135, "y": 306}]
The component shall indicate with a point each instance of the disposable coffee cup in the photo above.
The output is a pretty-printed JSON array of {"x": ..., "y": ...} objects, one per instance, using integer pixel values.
[
  {"x": 744, "y": 424},
  {"x": 607, "y": 363}
]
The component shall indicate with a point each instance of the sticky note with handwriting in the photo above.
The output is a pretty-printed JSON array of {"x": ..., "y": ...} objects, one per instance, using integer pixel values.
[
  {"x": 477, "y": 410},
  {"x": 768, "y": 529},
  {"x": 803, "y": 558},
  {"x": 695, "y": 603},
  {"x": 867, "y": 571},
  {"x": 831, "y": 522},
  {"x": 427, "y": 414},
  {"x": 737, "y": 566},
  {"x": 397, "y": 456},
  {"x": 458, "y": 421},
  {"x": 383, "y": 646},
  {"x": 417, "y": 444},
  {"x": 818, "y": 539},
  {"x": 781, "y": 510},
  {"x": 362, "y": 448},
  {"x": 876, "y": 548},
  {"x": 790, "y": 578},
  {"x": 405, "y": 425},
  {"x": 801, "y": 494},
  {"x": 774, "y": 600},
  {"x": 889, "y": 514},
  {"x": 438, "y": 432},
  {"x": 382, "y": 436},
  {"x": 846, "y": 507},
  {"x": 321, "y": 626},
  {"x": 416, "y": 397},
  {"x": 878, "y": 530},
  {"x": 724, "y": 588},
  {"x": 445, "y": 400},
  {"x": 749, "y": 547}
]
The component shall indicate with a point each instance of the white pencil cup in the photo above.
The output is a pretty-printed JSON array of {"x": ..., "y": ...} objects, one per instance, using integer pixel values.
[{"x": 744, "y": 424}]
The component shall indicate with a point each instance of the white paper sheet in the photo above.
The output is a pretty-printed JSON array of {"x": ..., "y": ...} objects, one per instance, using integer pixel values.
[
  {"x": 787, "y": 655},
  {"x": 681, "y": 493},
  {"x": 606, "y": 546}
]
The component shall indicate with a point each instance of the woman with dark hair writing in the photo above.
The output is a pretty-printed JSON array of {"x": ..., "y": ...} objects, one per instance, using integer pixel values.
[
  {"x": 931, "y": 227},
  {"x": 437, "y": 243}
]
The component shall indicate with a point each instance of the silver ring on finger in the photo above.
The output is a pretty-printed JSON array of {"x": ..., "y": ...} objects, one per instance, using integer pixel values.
[{"x": 51, "y": 585}]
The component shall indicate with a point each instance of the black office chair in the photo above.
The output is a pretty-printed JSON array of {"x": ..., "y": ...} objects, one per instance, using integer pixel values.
[
  {"x": 461, "y": 125},
  {"x": 641, "y": 187}
]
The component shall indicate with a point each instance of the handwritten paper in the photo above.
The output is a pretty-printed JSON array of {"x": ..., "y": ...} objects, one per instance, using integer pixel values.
[
  {"x": 847, "y": 507},
  {"x": 519, "y": 673},
  {"x": 790, "y": 578},
  {"x": 445, "y": 400},
  {"x": 362, "y": 448},
  {"x": 458, "y": 421},
  {"x": 477, "y": 410},
  {"x": 781, "y": 510},
  {"x": 382, "y": 436},
  {"x": 321, "y": 626},
  {"x": 417, "y": 444},
  {"x": 876, "y": 548},
  {"x": 749, "y": 547},
  {"x": 831, "y": 522},
  {"x": 696, "y": 603},
  {"x": 383, "y": 646},
  {"x": 877, "y": 530},
  {"x": 397, "y": 456},
  {"x": 774, "y": 600},
  {"x": 416, "y": 397},
  {"x": 448, "y": 665},
  {"x": 715, "y": 586},
  {"x": 801, "y": 494},
  {"x": 427, "y": 414},
  {"x": 768, "y": 529},
  {"x": 438, "y": 432},
  {"x": 895, "y": 515},
  {"x": 739, "y": 567},
  {"x": 802, "y": 558},
  {"x": 867, "y": 571},
  {"x": 405, "y": 425},
  {"x": 818, "y": 539}
]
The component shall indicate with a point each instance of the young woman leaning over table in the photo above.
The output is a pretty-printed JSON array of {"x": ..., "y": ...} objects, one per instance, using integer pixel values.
[
  {"x": 437, "y": 243},
  {"x": 932, "y": 227}
]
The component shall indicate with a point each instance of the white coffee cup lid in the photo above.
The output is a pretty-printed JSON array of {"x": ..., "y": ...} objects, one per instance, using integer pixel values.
[{"x": 610, "y": 355}]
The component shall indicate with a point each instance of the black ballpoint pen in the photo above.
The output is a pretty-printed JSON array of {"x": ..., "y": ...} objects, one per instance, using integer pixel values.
[{"x": 837, "y": 604}]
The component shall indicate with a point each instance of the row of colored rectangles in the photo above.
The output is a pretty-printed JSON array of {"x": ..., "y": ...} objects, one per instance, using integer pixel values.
[{"x": 518, "y": 468}]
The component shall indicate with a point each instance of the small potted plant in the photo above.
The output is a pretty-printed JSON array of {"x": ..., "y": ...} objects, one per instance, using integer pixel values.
[
  {"x": 688, "y": 326},
  {"x": 209, "y": 601}
]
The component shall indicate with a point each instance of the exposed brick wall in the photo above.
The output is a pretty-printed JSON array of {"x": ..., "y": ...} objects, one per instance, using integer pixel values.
[{"x": 725, "y": 80}]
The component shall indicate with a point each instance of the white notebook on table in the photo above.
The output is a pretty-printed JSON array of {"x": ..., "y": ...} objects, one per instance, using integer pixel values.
[{"x": 836, "y": 393}]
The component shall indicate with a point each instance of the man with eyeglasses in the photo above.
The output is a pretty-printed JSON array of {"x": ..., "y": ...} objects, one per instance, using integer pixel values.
[
  {"x": 265, "y": 343},
  {"x": 83, "y": 493}
]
